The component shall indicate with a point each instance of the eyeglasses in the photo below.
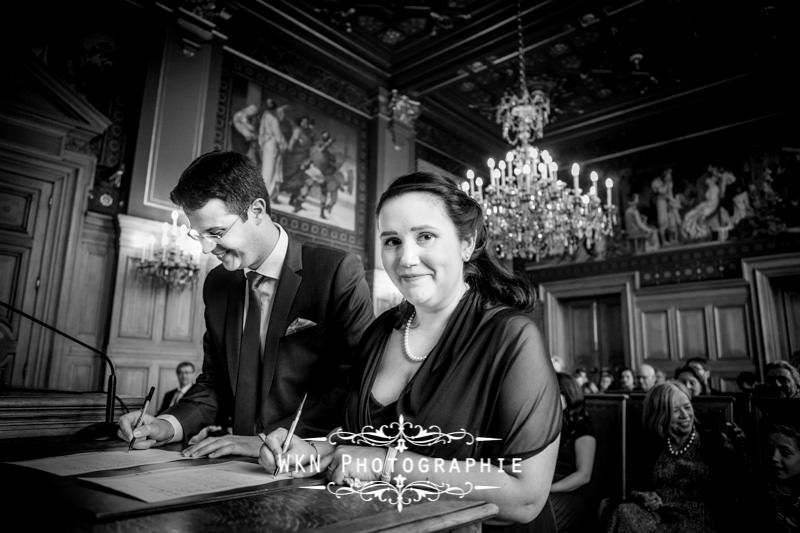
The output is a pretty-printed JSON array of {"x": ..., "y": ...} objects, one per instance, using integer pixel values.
[{"x": 211, "y": 237}]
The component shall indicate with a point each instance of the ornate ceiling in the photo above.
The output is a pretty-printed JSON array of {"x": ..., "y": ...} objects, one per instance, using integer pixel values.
[
  {"x": 622, "y": 75},
  {"x": 618, "y": 72}
]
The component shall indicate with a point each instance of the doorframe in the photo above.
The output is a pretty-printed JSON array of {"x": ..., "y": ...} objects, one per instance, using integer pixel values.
[
  {"x": 760, "y": 273},
  {"x": 554, "y": 294}
]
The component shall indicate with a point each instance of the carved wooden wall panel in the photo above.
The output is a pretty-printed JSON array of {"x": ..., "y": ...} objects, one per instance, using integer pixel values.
[
  {"x": 137, "y": 303},
  {"x": 78, "y": 368},
  {"x": 731, "y": 332},
  {"x": 179, "y": 315},
  {"x": 132, "y": 379},
  {"x": 710, "y": 319},
  {"x": 691, "y": 332},
  {"x": 655, "y": 335}
]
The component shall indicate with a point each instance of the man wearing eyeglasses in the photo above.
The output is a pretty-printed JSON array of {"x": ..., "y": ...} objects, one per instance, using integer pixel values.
[{"x": 283, "y": 319}]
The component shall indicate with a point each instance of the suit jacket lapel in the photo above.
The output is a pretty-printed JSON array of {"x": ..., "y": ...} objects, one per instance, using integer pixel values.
[
  {"x": 285, "y": 292},
  {"x": 234, "y": 320}
]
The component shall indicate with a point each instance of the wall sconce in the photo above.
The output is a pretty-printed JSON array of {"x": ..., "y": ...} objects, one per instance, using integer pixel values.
[{"x": 175, "y": 262}]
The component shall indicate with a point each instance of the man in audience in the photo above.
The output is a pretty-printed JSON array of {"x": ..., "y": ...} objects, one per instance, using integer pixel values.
[
  {"x": 626, "y": 381},
  {"x": 185, "y": 373},
  {"x": 645, "y": 378}
]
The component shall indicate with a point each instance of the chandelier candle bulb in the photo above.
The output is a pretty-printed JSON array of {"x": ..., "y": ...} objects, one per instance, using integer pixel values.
[
  {"x": 609, "y": 186},
  {"x": 576, "y": 170}
]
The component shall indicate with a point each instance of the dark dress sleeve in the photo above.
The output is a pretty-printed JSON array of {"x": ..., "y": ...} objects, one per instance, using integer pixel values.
[{"x": 529, "y": 410}]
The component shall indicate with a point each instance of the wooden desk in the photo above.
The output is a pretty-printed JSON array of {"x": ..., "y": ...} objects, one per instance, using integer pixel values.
[{"x": 39, "y": 500}]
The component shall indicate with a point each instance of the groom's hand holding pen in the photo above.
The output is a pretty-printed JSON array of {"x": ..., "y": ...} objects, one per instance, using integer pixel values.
[{"x": 141, "y": 414}]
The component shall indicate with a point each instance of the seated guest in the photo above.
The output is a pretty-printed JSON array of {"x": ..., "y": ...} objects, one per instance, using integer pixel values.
[
  {"x": 693, "y": 382},
  {"x": 782, "y": 379},
  {"x": 606, "y": 380},
  {"x": 459, "y": 353},
  {"x": 185, "y": 373},
  {"x": 783, "y": 485},
  {"x": 690, "y": 479},
  {"x": 625, "y": 382},
  {"x": 703, "y": 371},
  {"x": 570, "y": 495},
  {"x": 645, "y": 378},
  {"x": 586, "y": 385},
  {"x": 661, "y": 376}
]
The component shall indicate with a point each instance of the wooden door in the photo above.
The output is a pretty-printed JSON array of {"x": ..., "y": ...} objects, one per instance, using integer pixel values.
[
  {"x": 24, "y": 219},
  {"x": 594, "y": 333}
]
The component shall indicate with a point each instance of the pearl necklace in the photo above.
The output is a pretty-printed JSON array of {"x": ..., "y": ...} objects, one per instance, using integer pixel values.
[
  {"x": 406, "y": 350},
  {"x": 683, "y": 449}
]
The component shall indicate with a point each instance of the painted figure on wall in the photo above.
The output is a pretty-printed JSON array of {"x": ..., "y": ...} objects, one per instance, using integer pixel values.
[
  {"x": 709, "y": 216},
  {"x": 643, "y": 236},
  {"x": 245, "y": 122},
  {"x": 297, "y": 160},
  {"x": 273, "y": 145},
  {"x": 667, "y": 208},
  {"x": 332, "y": 180}
]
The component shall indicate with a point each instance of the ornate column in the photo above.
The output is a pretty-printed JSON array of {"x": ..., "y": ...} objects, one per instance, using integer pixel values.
[{"x": 393, "y": 137}]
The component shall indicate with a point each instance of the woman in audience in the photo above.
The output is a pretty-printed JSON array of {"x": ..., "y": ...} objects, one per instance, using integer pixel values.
[
  {"x": 586, "y": 385},
  {"x": 691, "y": 479},
  {"x": 689, "y": 377},
  {"x": 461, "y": 353},
  {"x": 782, "y": 379},
  {"x": 570, "y": 495}
]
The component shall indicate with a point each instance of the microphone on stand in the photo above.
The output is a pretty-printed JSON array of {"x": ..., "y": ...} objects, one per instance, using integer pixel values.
[{"x": 99, "y": 430}]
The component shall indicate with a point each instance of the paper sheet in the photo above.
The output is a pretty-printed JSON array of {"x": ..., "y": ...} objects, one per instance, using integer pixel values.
[
  {"x": 179, "y": 482},
  {"x": 82, "y": 463}
]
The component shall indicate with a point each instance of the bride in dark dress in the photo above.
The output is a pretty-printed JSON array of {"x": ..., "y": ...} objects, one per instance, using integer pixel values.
[{"x": 461, "y": 353}]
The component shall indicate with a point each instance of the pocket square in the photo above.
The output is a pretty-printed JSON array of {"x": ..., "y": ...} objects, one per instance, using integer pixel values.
[{"x": 299, "y": 324}]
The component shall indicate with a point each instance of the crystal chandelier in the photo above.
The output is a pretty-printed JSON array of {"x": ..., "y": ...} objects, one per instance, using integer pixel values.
[
  {"x": 530, "y": 213},
  {"x": 175, "y": 263}
]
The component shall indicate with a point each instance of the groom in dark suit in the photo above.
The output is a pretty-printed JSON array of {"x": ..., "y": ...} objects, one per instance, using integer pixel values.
[{"x": 283, "y": 319}]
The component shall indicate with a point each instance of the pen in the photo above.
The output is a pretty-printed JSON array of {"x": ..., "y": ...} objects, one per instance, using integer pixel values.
[
  {"x": 141, "y": 414},
  {"x": 289, "y": 435}
]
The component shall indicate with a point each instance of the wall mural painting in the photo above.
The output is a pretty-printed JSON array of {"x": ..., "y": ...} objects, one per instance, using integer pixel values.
[
  {"x": 309, "y": 150},
  {"x": 679, "y": 203}
]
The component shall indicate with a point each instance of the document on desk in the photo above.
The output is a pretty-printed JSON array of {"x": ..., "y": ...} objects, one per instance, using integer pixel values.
[
  {"x": 179, "y": 482},
  {"x": 82, "y": 463}
]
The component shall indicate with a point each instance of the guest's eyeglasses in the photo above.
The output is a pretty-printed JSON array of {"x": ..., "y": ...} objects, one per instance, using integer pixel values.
[{"x": 211, "y": 237}]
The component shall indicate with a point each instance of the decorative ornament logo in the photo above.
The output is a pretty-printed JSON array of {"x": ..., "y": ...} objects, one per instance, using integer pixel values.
[{"x": 396, "y": 435}]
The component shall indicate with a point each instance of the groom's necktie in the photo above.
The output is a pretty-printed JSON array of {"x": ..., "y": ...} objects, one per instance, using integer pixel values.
[{"x": 248, "y": 393}]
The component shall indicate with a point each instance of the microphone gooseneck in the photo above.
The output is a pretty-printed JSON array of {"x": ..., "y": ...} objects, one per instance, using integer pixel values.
[{"x": 101, "y": 430}]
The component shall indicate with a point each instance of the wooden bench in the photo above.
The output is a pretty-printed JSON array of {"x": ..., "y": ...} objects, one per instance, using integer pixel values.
[{"x": 607, "y": 412}]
